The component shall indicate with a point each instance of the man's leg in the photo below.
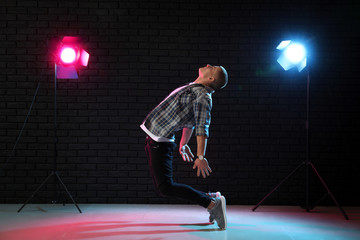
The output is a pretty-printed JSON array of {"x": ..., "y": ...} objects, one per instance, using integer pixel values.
[{"x": 160, "y": 156}]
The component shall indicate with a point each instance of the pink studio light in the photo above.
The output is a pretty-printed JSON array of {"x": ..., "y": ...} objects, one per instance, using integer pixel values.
[{"x": 70, "y": 57}]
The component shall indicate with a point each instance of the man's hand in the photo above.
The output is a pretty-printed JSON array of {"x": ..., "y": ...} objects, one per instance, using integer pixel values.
[
  {"x": 186, "y": 153},
  {"x": 203, "y": 167}
]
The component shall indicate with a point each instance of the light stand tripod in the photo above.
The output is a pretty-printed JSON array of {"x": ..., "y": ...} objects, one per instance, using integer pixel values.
[
  {"x": 308, "y": 165},
  {"x": 54, "y": 171}
]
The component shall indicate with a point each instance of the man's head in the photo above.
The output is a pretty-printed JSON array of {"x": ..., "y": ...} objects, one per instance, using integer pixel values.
[{"x": 215, "y": 77}]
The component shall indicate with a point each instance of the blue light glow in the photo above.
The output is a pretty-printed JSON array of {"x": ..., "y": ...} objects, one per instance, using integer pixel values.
[{"x": 293, "y": 55}]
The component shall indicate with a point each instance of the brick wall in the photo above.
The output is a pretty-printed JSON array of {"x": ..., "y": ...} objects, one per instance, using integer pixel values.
[{"x": 139, "y": 52}]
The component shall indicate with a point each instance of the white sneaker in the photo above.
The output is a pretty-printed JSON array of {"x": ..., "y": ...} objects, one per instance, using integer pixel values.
[
  {"x": 219, "y": 212},
  {"x": 213, "y": 195}
]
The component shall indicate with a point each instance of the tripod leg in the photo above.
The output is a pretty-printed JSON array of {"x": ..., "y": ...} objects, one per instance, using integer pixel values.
[
  {"x": 297, "y": 168},
  {"x": 58, "y": 177},
  {"x": 329, "y": 192},
  {"x": 34, "y": 193}
]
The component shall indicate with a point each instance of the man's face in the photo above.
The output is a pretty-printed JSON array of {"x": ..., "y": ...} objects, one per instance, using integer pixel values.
[{"x": 207, "y": 71}]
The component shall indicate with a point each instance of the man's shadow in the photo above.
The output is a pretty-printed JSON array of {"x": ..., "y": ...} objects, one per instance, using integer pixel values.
[{"x": 98, "y": 229}]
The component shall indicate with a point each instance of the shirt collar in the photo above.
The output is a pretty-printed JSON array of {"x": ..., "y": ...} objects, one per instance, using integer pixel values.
[{"x": 208, "y": 89}]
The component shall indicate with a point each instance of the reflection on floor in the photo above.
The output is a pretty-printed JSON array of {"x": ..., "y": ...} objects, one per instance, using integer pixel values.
[{"x": 185, "y": 222}]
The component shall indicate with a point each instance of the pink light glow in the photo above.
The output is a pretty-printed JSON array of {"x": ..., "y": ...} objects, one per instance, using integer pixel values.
[{"x": 68, "y": 55}]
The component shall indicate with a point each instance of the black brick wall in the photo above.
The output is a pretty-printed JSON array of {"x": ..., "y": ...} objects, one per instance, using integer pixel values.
[{"x": 140, "y": 51}]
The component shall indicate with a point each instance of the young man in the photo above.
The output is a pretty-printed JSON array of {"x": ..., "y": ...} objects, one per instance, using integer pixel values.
[{"x": 187, "y": 108}]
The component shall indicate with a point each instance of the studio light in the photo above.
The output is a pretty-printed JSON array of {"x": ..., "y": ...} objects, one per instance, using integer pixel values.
[
  {"x": 293, "y": 55},
  {"x": 69, "y": 58}
]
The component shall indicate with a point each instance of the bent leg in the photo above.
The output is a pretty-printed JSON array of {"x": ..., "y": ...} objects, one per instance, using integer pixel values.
[{"x": 160, "y": 156}]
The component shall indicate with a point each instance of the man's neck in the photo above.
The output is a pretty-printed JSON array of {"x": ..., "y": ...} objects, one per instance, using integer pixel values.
[{"x": 201, "y": 81}]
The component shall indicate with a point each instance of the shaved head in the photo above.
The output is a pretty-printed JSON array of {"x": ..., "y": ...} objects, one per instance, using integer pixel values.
[
  {"x": 221, "y": 78},
  {"x": 215, "y": 77}
]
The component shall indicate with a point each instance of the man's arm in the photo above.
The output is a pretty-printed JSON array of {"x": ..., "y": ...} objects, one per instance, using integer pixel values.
[
  {"x": 202, "y": 165},
  {"x": 201, "y": 145},
  {"x": 186, "y": 135},
  {"x": 184, "y": 149}
]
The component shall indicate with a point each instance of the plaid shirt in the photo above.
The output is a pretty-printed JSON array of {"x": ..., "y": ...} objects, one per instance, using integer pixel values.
[{"x": 188, "y": 106}]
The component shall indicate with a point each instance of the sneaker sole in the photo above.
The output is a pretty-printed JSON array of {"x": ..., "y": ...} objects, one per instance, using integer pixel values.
[{"x": 223, "y": 206}]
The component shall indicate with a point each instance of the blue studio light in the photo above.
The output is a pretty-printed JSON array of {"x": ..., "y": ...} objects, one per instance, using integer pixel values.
[{"x": 293, "y": 55}]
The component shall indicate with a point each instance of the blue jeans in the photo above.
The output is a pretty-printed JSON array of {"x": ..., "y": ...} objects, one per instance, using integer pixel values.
[{"x": 160, "y": 156}]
